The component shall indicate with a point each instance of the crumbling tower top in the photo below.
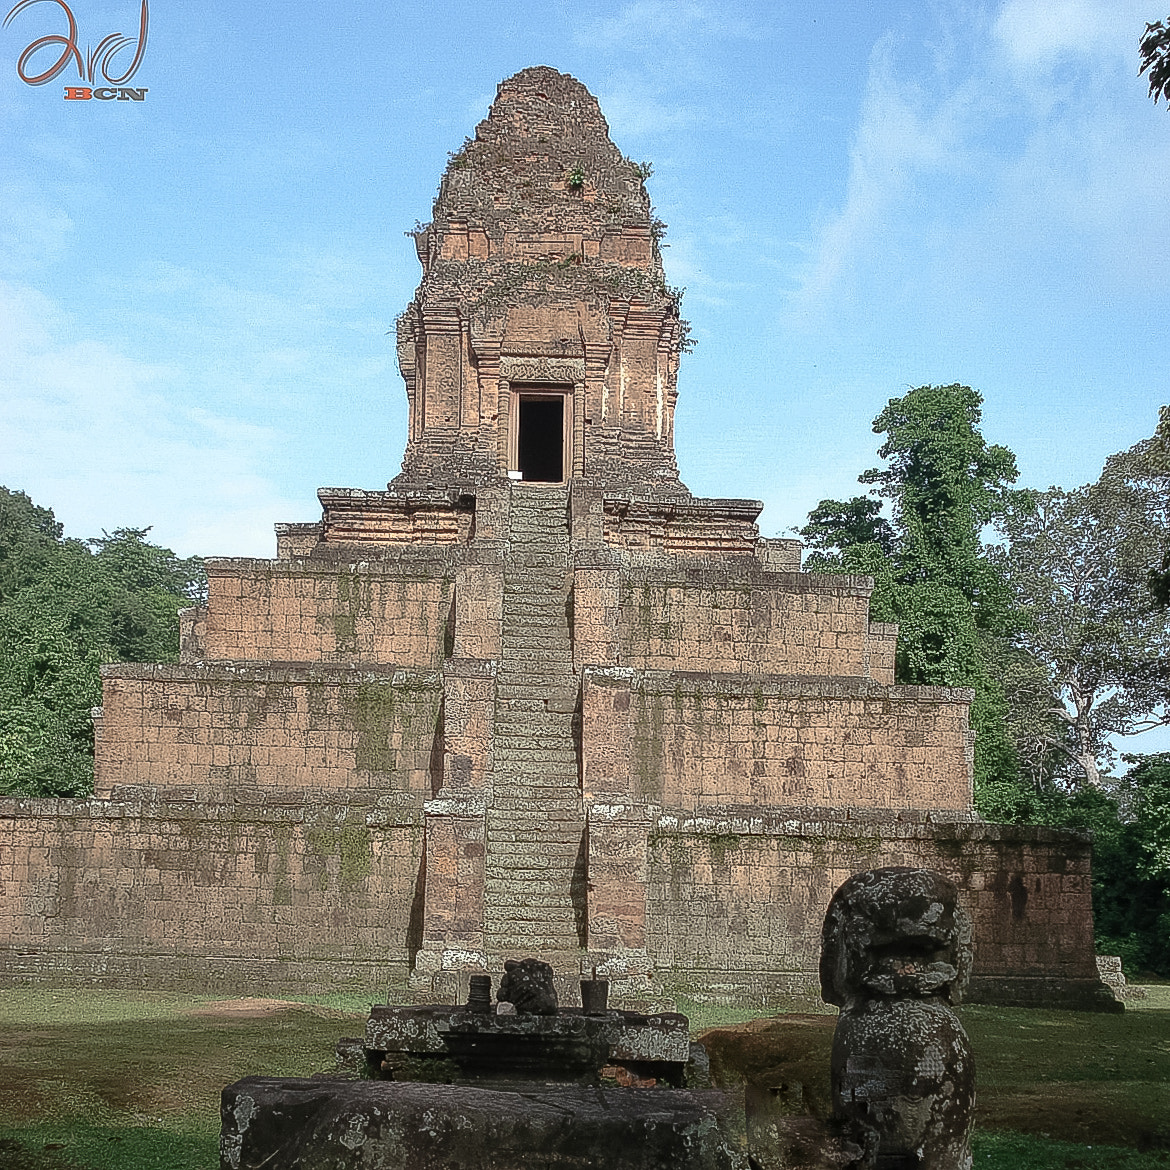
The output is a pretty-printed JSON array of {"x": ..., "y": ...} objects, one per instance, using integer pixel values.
[{"x": 543, "y": 341}]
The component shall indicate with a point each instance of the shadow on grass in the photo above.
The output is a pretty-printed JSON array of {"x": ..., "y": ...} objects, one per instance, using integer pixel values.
[
  {"x": 126, "y": 1081},
  {"x": 79, "y": 1146}
]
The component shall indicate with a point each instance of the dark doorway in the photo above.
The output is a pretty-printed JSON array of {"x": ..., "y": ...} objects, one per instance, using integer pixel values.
[{"x": 540, "y": 449}]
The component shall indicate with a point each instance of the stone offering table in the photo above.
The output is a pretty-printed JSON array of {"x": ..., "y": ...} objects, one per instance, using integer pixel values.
[{"x": 446, "y": 1043}]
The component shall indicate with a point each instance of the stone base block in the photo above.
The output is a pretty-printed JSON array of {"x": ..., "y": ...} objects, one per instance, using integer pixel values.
[
  {"x": 1084, "y": 995},
  {"x": 338, "y": 1125}
]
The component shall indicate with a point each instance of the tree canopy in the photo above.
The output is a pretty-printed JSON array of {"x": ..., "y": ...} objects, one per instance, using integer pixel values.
[
  {"x": 1078, "y": 565},
  {"x": 66, "y": 607},
  {"x": 943, "y": 483},
  {"x": 1154, "y": 53}
]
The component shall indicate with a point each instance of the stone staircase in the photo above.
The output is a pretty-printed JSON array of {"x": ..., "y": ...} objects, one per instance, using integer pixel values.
[{"x": 535, "y": 820}]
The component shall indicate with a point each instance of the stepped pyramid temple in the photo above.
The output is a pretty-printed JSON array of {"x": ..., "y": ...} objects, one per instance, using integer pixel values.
[{"x": 535, "y": 698}]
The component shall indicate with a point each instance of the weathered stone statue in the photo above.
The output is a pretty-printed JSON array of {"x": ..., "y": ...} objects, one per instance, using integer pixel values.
[
  {"x": 528, "y": 985},
  {"x": 896, "y": 955}
]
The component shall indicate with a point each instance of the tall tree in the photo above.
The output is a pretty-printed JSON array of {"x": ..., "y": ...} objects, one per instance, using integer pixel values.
[
  {"x": 1079, "y": 567},
  {"x": 943, "y": 484},
  {"x": 65, "y": 608}
]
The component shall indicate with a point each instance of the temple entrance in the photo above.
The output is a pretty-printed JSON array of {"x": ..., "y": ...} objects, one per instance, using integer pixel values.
[{"x": 540, "y": 433}]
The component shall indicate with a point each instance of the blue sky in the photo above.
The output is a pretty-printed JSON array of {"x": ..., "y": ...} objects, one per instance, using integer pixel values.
[{"x": 196, "y": 290}]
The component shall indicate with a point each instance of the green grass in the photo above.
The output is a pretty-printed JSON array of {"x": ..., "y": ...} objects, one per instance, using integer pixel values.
[
  {"x": 1013, "y": 1151},
  {"x": 106, "y": 1080}
]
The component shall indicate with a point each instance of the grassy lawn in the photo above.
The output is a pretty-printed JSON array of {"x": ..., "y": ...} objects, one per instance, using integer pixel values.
[{"x": 130, "y": 1080}]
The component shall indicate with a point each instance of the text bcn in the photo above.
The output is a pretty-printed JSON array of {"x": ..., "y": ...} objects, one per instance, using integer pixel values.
[{"x": 82, "y": 93}]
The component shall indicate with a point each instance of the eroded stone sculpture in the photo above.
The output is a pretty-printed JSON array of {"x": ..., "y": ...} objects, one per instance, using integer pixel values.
[
  {"x": 528, "y": 985},
  {"x": 896, "y": 955}
]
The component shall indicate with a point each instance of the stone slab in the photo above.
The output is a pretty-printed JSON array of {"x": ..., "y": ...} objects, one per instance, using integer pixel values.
[{"x": 360, "y": 1125}]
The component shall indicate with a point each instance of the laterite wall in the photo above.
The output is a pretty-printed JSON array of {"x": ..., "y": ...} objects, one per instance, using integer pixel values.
[
  {"x": 735, "y": 906},
  {"x": 295, "y": 894},
  {"x": 235, "y": 729}
]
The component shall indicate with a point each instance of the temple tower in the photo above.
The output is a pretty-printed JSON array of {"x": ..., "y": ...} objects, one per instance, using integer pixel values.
[{"x": 543, "y": 342}]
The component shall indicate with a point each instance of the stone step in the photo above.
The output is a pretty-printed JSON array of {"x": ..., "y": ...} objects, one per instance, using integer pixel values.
[
  {"x": 516, "y": 618},
  {"x": 536, "y": 564},
  {"x": 524, "y": 704},
  {"x": 541, "y": 654},
  {"x": 536, "y": 719},
  {"x": 531, "y": 786},
  {"x": 506, "y": 866},
  {"x": 547, "y": 885},
  {"x": 564, "y": 838},
  {"x": 561, "y": 805},
  {"x": 512, "y": 735},
  {"x": 566, "y": 844},
  {"x": 552, "y": 931},
  {"x": 545, "y": 921},
  {"x": 512, "y": 728},
  {"x": 562, "y": 824},
  {"x": 542, "y": 914},
  {"x": 534, "y": 637},
  {"x": 539, "y": 769},
  {"x": 542, "y": 685},
  {"x": 527, "y": 606},
  {"x": 562, "y": 841},
  {"x": 557, "y": 684},
  {"x": 529, "y": 665},
  {"x": 534, "y": 801}
]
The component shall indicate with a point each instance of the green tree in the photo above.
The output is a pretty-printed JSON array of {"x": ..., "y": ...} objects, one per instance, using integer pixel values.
[
  {"x": 1154, "y": 53},
  {"x": 1131, "y": 868},
  {"x": 943, "y": 483},
  {"x": 67, "y": 607},
  {"x": 29, "y": 540},
  {"x": 1079, "y": 567}
]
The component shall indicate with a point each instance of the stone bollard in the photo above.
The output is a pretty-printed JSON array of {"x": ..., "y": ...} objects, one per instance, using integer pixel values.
[{"x": 896, "y": 954}]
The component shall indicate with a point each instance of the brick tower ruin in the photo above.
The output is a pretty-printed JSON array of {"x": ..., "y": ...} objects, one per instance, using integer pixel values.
[{"x": 535, "y": 698}]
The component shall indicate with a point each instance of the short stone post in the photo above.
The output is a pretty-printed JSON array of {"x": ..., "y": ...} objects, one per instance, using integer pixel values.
[{"x": 896, "y": 954}]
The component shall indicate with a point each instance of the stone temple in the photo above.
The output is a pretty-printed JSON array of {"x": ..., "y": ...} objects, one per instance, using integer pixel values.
[{"x": 535, "y": 698}]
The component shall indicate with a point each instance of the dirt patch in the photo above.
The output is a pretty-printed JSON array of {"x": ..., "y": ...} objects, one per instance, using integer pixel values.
[
  {"x": 253, "y": 1008},
  {"x": 246, "y": 1008}
]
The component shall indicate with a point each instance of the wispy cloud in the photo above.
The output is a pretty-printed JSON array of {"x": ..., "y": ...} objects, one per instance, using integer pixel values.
[
  {"x": 1037, "y": 34},
  {"x": 645, "y": 25},
  {"x": 1031, "y": 149},
  {"x": 113, "y": 447}
]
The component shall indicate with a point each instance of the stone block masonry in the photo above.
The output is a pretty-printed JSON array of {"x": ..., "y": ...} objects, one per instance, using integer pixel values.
[
  {"x": 695, "y": 740},
  {"x": 322, "y": 610},
  {"x": 298, "y": 894},
  {"x": 231, "y": 728},
  {"x": 731, "y": 900}
]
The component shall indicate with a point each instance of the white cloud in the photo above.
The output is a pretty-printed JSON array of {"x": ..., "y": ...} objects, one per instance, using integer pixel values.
[
  {"x": 99, "y": 436},
  {"x": 31, "y": 231},
  {"x": 992, "y": 175},
  {"x": 647, "y": 24},
  {"x": 1040, "y": 33},
  {"x": 904, "y": 133}
]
